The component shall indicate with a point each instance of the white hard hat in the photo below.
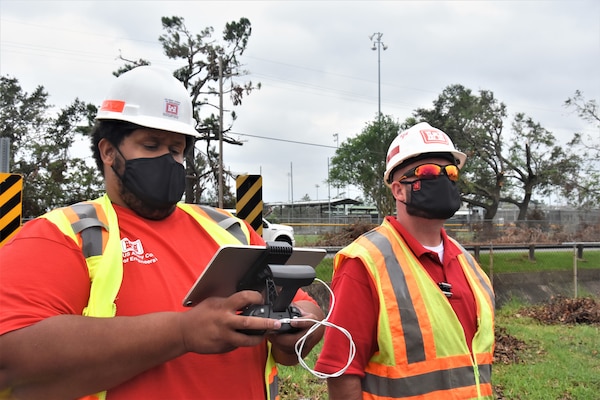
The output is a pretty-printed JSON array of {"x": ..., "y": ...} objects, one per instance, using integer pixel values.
[
  {"x": 150, "y": 97},
  {"x": 420, "y": 140}
]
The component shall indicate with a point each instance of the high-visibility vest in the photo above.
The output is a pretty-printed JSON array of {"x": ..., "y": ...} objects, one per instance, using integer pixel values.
[
  {"x": 422, "y": 351},
  {"x": 94, "y": 227}
]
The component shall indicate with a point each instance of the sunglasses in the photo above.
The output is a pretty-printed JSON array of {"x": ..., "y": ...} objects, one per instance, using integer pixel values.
[{"x": 430, "y": 171}]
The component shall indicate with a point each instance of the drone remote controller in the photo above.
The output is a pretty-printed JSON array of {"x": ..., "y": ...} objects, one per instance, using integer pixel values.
[{"x": 265, "y": 311}]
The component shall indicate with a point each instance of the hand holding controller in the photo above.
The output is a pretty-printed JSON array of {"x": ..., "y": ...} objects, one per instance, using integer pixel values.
[{"x": 266, "y": 311}]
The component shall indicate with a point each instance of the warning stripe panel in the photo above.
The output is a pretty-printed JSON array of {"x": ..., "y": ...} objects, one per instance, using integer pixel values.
[
  {"x": 249, "y": 203},
  {"x": 11, "y": 188},
  {"x": 9, "y": 230}
]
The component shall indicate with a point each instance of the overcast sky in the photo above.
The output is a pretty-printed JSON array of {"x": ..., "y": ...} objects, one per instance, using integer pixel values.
[{"x": 318, "y": 72}]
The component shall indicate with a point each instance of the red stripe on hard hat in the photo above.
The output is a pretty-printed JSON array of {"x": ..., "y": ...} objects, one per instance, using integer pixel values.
[
  {"x": 392, "y": 153},
  {"x": 113, "y": 105}
]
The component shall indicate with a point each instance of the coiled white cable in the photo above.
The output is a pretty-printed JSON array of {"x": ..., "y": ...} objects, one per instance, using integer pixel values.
[{"x": 300, "y": 343}]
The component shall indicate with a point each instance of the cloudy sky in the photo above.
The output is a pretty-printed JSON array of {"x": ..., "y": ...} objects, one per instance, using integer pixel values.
[{"x": 318, "y": 72}]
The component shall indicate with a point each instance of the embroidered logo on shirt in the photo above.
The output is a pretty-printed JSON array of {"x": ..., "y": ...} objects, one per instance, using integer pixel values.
[{"x": 133, "y": 251}]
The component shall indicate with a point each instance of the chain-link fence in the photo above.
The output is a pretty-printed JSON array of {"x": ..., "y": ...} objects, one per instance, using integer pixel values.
[{"x": 529, "y": 260}]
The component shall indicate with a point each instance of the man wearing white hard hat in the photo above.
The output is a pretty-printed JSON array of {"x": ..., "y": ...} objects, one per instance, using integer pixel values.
[
  {"x": 419, "y": 308},
  {"x": 91, "y": 294}
]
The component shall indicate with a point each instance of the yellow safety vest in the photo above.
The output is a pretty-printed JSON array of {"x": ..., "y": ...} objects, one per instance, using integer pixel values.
[
  {"x": 93, "y": 225},
  {"x": 423, "y": 353}
]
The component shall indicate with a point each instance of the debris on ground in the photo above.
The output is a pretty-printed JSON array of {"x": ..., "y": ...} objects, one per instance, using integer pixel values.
[
  {"x": 559, "y": 310},
  {"x": 345, "y": 236},
  {"x": 563, "y": 310},
  {"x": 508, "y": 348}
]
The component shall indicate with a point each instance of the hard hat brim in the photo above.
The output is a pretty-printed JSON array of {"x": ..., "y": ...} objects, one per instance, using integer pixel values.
[{"x": 150, "y": 122}]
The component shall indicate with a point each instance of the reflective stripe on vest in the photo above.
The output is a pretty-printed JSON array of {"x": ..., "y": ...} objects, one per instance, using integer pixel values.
[
  {"x": 90, "y": 226},
  {"x": 421, "y": 356}
]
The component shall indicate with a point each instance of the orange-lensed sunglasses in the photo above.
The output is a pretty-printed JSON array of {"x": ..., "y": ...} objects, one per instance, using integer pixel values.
[{"x": 430, "y": 171}]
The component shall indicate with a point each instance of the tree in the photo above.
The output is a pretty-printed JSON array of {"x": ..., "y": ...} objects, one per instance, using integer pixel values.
[
  {"x": 583, "y": 189},
  {"x": 41, "y": 148},
  {"x": 207, "y": 64},
  {"x": 20, "y": 113},
  {"x": 536, "y": 163},
  {"x": 475, "y": 124},
  {"x": 502, "y": 166},
  {"x": 360, "y": 161}
]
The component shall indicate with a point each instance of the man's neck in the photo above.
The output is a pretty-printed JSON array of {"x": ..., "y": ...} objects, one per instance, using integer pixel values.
[{"x": 425, "y": 231}]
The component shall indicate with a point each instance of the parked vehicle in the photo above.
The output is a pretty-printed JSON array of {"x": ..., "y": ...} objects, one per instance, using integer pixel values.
[
  {"x": 275, "y": 232},
  {"x": 278, "y": 233}
]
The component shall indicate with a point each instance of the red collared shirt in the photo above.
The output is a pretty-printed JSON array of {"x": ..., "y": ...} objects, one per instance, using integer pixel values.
[{"x": 357, "y": 304}]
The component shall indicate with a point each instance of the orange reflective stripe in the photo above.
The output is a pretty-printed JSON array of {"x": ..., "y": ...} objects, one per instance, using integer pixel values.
[{"x": 431, "y": 365}]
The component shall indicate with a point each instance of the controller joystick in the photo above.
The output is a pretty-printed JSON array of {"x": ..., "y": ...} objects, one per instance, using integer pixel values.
[{"x": 265, "y": 311}]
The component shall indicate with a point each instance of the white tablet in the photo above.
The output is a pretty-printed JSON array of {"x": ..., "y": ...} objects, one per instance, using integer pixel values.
[{"x": 230, "y": 264}]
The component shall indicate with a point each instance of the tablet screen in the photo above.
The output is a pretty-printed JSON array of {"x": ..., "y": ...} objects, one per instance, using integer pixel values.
[{"x": 230, "y": 264}]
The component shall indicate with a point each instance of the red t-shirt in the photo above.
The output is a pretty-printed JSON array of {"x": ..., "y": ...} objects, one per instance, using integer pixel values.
[
  {"x": 357, "y": 304},
  {"x": 43, "y": 274}
]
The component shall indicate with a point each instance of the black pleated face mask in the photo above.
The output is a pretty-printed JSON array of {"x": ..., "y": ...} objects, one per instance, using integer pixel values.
[
  {"x": 437, "y": 198},
  {"x": 158, "y": 182}
]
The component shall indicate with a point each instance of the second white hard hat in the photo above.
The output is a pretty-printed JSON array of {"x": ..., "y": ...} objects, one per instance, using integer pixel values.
[
  {"x": 150, "y": 97},
  {"x": 420, "y": 139}
]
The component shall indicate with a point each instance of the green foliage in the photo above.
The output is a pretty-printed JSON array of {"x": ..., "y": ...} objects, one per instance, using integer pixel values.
[
  {"x": 41, "y": 147},
  {"x": 21, "y": 113},
  {"x": 360, "y": 161},
  {"x": 583, "y": 189}
]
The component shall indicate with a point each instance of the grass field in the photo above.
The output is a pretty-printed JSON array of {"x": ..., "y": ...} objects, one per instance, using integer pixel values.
[{"x": 558, "y": 362}]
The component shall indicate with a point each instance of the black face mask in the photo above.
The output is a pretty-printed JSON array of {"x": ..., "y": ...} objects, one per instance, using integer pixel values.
[
  {"x": 433, "y": 198},
  {"x": 157, "y": 182}
]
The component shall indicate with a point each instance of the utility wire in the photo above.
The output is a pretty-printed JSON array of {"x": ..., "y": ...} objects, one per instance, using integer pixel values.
[{"x": 283, "y": 140}]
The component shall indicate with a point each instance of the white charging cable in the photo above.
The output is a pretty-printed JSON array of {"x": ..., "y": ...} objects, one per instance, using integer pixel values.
[{"x": 300, "y": 343}]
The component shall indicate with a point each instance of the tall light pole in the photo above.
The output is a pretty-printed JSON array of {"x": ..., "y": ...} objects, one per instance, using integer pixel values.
[
  {"x": 377, "y": 45},
  {"x": 220, "y": 178},
  {"x": 337, "y": 145}
]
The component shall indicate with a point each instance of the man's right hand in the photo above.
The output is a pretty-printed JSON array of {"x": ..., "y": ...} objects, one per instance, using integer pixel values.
[{"x": 213, "y": 325}]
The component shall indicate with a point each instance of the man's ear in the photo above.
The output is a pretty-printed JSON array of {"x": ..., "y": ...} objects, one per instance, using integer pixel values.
[
  {"x": 107, "y": 152},
  {"x": 399, "y": 191}
]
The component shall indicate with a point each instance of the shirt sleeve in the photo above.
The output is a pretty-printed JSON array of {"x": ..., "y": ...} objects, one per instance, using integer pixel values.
[
  {"x": 356, "y": 309},
  {"x": 43, "y": 273}
]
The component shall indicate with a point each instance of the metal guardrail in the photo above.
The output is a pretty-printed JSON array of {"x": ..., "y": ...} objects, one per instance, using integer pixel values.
[{"x": 475, "y": 248}]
